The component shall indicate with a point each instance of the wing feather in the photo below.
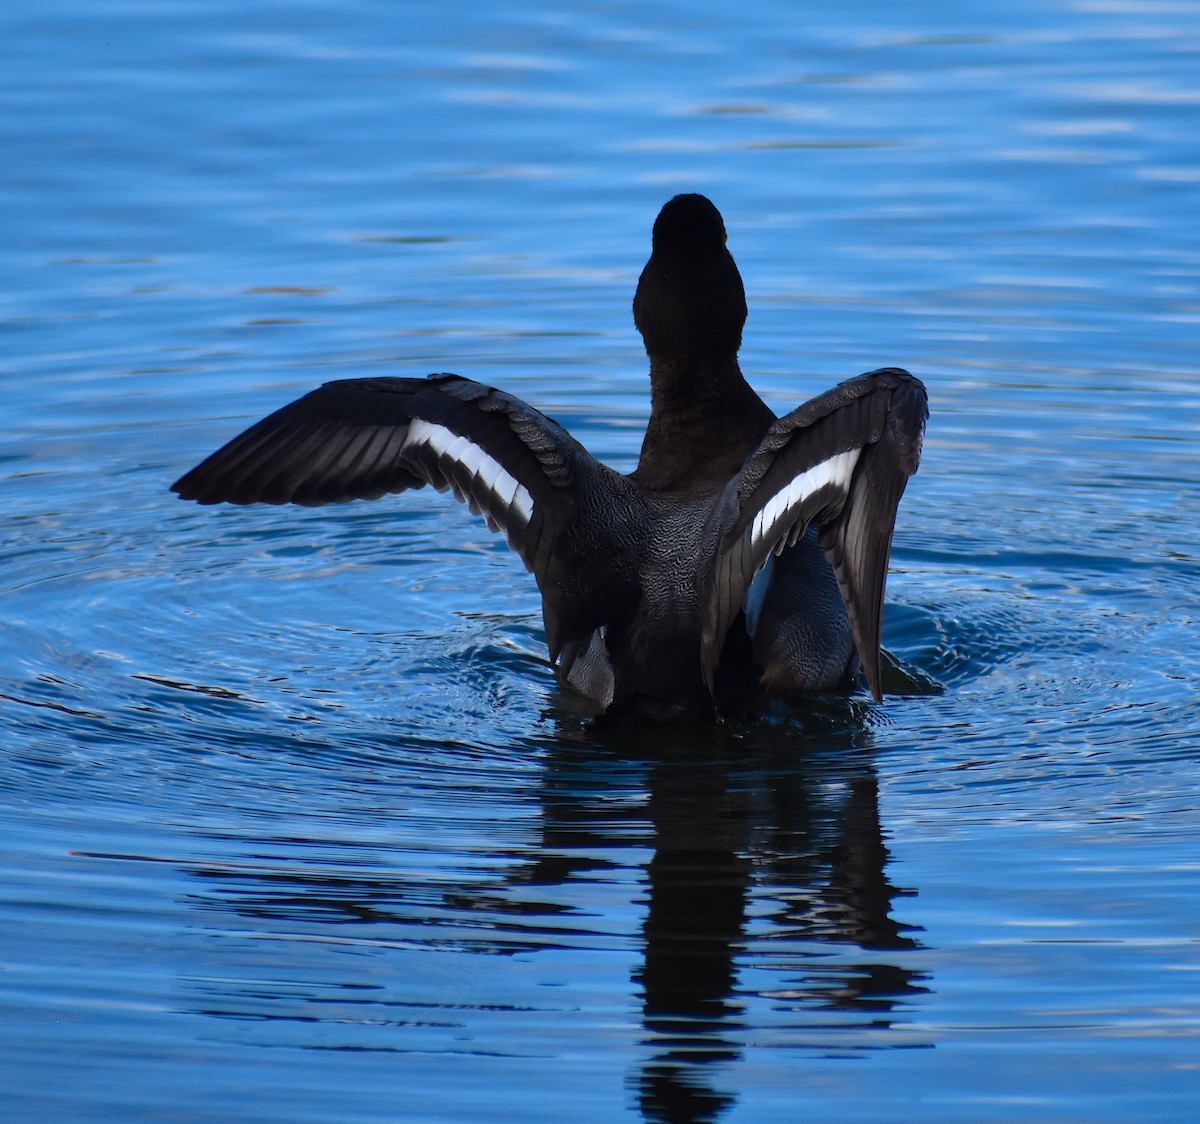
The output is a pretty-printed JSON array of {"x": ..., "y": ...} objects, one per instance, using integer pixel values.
[
  {"x": 840, "y": 461},
  {"x": 362, "y": 438}
]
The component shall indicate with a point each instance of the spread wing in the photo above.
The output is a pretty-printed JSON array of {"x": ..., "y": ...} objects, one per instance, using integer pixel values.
[
  {"x": 840, "y": 461},
  {"x": 363, "y": 438}
]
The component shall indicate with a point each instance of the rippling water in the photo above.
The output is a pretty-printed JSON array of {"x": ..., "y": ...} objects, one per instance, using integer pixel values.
[{"x": 295, "y": 824}]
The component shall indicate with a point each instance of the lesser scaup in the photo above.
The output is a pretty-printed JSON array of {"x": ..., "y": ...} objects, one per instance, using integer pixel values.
[{"x": 745, "y": 553}]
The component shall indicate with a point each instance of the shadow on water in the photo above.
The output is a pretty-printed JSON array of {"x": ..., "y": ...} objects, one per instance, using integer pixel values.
[{"x": 766, "y": 884}]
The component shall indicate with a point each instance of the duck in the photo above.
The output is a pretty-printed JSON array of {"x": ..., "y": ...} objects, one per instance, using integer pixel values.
[{"x": 743, "y": 559}]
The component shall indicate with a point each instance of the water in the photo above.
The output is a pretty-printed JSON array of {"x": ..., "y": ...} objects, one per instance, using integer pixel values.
[{"x": 295, "y": 825}]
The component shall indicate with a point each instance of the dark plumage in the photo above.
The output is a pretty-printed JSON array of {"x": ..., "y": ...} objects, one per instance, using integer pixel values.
[{"x": 744, "y": 554}]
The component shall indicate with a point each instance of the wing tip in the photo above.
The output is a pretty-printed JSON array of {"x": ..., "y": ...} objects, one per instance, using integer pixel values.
[
  {"x": 874, "y": 685},
  {"x": 184, "y": 489}
]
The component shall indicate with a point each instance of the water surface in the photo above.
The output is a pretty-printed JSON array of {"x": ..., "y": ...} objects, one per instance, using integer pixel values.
[{"x": 296, "y": 825}]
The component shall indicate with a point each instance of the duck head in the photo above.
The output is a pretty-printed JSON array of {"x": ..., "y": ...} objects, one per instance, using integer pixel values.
[{"x": 690, "y": 305}]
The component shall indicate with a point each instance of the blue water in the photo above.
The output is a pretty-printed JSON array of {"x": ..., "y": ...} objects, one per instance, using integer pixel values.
[{"x": 295, "y": 824}]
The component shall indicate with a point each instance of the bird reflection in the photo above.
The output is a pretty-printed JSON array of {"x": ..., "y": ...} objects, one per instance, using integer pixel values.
[
  {"x": 786, "y": 818},
  {"x": 699, "y": 880},
  {"x": 767, "y": 915}
]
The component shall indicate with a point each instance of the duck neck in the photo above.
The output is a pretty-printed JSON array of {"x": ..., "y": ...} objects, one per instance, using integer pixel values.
[{"x": 705, "y": 419}]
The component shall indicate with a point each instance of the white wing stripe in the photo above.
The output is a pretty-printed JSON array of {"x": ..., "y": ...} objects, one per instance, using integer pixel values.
[
  {"x": 837, "y": 470},
  {"x": 490, "y": 475},
  {"x": 484, "y": 467}
]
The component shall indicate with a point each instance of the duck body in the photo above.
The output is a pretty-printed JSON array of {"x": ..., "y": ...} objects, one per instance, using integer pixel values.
[{"x": 745, "y": 554}]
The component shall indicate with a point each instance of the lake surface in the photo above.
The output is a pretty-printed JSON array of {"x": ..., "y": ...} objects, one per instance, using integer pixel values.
[{"x": 295, "y": 824}]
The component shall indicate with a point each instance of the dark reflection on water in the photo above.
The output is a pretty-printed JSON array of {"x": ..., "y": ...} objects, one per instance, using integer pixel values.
[
  {"x": 764, "y": 845},
  {"x": 812, "y": 843}
]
